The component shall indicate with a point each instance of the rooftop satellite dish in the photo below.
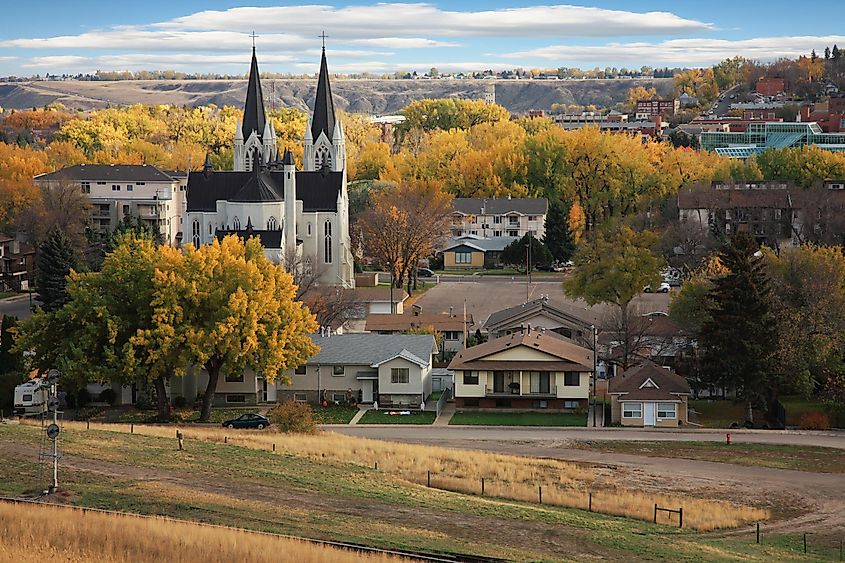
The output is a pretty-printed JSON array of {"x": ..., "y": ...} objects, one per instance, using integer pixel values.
[{"x": 53, "y": 431}]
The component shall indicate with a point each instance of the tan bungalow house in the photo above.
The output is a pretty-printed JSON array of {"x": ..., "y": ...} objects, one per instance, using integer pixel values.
[
  {"x": 649, "y": 395},
  {"x": 533, "y": 369},
  {"x": 451, "y": 328}
]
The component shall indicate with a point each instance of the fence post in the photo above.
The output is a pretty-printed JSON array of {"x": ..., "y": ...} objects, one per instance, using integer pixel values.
[
  {"x": 591, "y": 502},
  {"x": 376, "y": 466},
  {"x": 88, "y": 424},
  {"x": 225, "y": 439},
  {"x": 758, "y": 532},
  {"x": 429, "y": 479},
  {"x": 541, "y": 493},
  {"x": 274, "y": 446},
  {"x": 655, "y": 513},
  {"x": 805, "y": 542},
  {"x": 482, "y": 486},
  {"x": 681, "y": 517},
  {"x": 132, "y": 428},
  {"x": 840, "y": 550}
]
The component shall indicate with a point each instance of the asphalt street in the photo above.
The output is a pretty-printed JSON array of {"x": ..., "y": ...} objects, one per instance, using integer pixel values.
[{"x": 16, "y": 306}]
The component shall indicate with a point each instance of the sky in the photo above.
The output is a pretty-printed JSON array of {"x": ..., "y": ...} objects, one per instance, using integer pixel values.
[{"x": 72, "y": 36}]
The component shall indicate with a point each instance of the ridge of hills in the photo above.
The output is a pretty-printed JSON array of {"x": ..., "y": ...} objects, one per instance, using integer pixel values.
[{"x": 370, "y": 96}]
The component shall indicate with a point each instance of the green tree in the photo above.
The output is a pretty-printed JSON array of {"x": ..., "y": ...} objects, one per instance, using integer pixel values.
[
  {"x": 739, "y": 341},
  {"x": 449, "y": 113},
  {"x": 559, "y": 239},
  {"x": 613, "y": 268},
  {"x": 56, "y": 259},
  {"x": 517, "y": 253},
  {"x": 226, "y": 307}
]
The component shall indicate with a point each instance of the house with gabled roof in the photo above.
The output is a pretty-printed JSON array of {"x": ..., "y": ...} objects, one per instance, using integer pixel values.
[
  {"x": 542, "y": 314},
  {"x": 533, "y": 369},
  {"x": 393, "y": 370},
  {"x": 649, "y": 395}
]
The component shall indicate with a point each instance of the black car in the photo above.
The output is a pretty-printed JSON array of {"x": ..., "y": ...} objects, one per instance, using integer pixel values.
[
  {"x": 248, "y": 421},
  {"x": 424, "y": 273}
]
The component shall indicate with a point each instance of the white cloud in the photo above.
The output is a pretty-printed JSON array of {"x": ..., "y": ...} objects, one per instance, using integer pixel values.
[
  {"x": 403, "y": 42},
  {"x": 134, "y": 39},
  {"x": 406, "y": 19},
  {"x": 683, "y": 52},
  {"x": 385, "y": 66}
]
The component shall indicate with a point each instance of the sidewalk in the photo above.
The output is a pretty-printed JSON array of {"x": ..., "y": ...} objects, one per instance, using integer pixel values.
[
  {"x": 361, "y": 410},
  {"x": 445, "y": 415}
]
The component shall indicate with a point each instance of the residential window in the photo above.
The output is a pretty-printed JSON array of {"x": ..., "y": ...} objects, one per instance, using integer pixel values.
[
  {"x": 130, "y": 187},
  {"x": 86, "y": 187},
  {"x": 235, "y": 398},
  {"x": 400, "y": 375},
  {"x": 327, "y": 230},
  {"x": 632, "y": 410},
  {"x": 101, "y": 183},
  {"x": 497, "y": 219},
  {"x": 539, "y": 381},
  {"x": 513, "y": 221},
  {"x": 140, "y": 183},
  {"x": 532, "y": 217},
  {"x": 513, "y": 233},
  {"x": 451, "y": 334},
  {"x": 115, "y": 188},
  {"x": 338, "y": 397},
  {"x": 234, "y": 378},
  {"x": 497, "y": 233},
  {"x": 299, "y": 370},
  {"x": 470, "y": 378},
  {"x": 572, "y": 378},
  {"x": 666, "y": 410},
  {"x": 338, "y": 371},
  {"x": 463, "y": 258},
  {"x": 570, "y": 404},
  {"x": 300, "y": 397}
]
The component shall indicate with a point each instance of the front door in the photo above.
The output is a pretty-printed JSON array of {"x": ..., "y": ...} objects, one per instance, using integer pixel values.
[
  {"x": 498, "y": 382},
  {"x": 367, "y": 391},
  {"x": 649, "y": 416}
]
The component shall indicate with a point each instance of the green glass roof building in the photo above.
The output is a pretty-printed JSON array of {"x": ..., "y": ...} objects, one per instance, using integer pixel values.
[{"x": 771, "y": 135}]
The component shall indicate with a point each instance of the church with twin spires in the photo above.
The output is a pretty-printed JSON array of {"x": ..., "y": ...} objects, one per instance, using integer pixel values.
[{"x": 300, "y": 216}]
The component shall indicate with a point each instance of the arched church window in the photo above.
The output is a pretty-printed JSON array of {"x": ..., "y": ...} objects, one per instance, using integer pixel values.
[
  {"x": 236, "y": 224},
  {"x": 271, "y": 224},
  {"x": 195, "y": 233},
  {"x": 323, "y": 157},
  {"x": 327, "y": 230},
  {"x": 210, "y": 229},
  {"x": 309, "y": 229}
]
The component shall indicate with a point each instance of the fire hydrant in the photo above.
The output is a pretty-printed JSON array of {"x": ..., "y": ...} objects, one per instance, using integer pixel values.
[{"x": 728, "y": 438}]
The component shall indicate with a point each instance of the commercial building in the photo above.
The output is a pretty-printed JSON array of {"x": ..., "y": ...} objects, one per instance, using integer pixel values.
[
  {"x": 118, "y": 191},
  {"x": 649, "y": 109},
  {"x": 473, "y": 252},
  {"x": 761, "y": 136}
]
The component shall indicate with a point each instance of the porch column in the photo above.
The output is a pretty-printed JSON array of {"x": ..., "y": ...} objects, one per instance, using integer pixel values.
[{"x": 520, "y": 384}]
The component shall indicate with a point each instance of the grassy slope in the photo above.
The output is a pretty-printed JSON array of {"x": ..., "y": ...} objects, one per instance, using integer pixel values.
[
  {"x": 799, "y": 458},
  {"x": 518, "y": 419},
  {"x": 259, "y": 490}
]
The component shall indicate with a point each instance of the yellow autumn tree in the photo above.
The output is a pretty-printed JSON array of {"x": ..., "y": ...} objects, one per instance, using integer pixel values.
[
  {"x": 227, "y": 308},
  {"x": 577, "y": 221}
]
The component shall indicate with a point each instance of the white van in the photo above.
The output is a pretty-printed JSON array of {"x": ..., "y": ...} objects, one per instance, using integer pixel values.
[{"x": 30, "y": 398}]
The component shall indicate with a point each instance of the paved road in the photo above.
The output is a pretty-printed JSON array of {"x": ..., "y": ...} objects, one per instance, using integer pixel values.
[
  {"x": 543, "y": 436},
  {"x": 17, "y": 306}
]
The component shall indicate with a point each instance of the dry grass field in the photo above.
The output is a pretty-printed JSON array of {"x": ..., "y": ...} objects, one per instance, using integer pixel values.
[
  {"x": 38, "y": 533},
  {"x": 509, "y": 477}
]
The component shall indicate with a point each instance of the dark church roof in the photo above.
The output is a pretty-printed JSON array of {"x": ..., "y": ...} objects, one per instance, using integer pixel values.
[
  {"x": 323, "y": 120},
  {"x": 318, "y": 190},
  {"x": 254, "y": 118}
]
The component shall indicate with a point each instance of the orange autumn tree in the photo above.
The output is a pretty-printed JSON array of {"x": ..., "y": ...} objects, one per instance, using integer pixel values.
[
  {"x": 407, "y": 222},
  {"x": 18, "y": 165}
]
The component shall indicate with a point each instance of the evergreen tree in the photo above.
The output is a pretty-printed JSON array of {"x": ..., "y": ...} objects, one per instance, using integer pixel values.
[
  {"x": 9, "y": 361},
  {"x": 56, "y": 258},
  {"x": 826, "y": 53},
  {"x": 834, "y": 54},
  {"x": 558, "y": 237},
  {"x": 739, "y": 341},
  {"x": 516, "y": 253}
]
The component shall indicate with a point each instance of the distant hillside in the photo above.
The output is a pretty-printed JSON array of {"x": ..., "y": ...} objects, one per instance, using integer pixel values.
[{"x": 365, "y": 96}]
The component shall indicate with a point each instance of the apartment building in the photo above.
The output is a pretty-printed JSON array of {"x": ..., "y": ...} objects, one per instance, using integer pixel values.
[
  {"x": 494, "y": 217},
  {"x": 117, "y": 191}
]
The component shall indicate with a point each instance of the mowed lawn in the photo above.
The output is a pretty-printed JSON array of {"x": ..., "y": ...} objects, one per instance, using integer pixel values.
[
  {"x": 384, "y": 417},
  {"x": 480, "y": 418}
]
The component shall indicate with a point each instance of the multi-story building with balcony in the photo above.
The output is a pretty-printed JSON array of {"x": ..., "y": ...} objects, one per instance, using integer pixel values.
[
  {"x": 118, "y": 191},
  {"x": 493, "y": 217}
]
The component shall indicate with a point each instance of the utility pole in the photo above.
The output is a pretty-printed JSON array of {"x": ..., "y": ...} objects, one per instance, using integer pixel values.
[
  {"x": 528, "y": 270},
  {"x": 595, "y": 357}
]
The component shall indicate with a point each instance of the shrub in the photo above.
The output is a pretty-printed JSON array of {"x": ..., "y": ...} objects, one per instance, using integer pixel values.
[
  {"x": 814, "y": 421},
  {"x": 293, "y": 417},
  {"x": 83, "y": 397},
  {"x": 108, "y": 396},
  {"x": 180, "y": 402}
]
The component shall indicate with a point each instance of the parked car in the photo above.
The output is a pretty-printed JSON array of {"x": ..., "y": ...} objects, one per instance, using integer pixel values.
[
  {"x": 664, "y": 288},
  {"x": 248, "y": 421},
  {"x": 424, "y": 273}
]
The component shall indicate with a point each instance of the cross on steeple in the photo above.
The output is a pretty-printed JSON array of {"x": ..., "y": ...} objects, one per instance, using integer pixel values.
[
  {"x": 323, "y": 36},
  {"x": 253, "y": 35}
]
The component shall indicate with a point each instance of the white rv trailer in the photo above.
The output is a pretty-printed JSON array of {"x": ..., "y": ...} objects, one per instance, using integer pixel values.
[{"x": 31, "y": 398}]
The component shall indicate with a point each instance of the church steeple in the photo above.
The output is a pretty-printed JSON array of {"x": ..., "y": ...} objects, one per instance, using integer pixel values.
[
  {"x": 254, "y": 117},
  {"x": 324, "y": 119}
]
